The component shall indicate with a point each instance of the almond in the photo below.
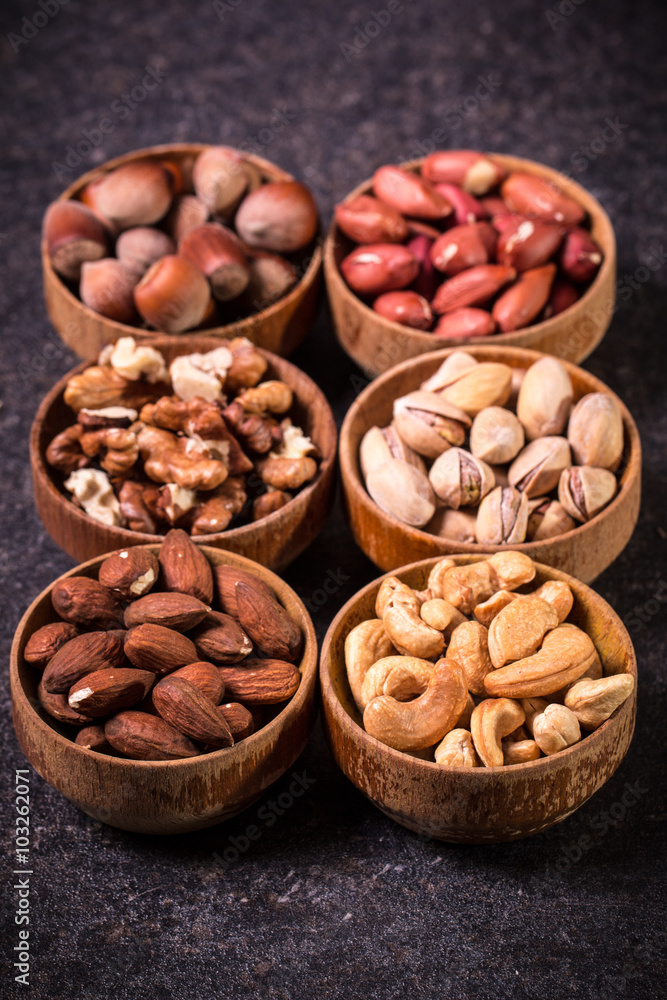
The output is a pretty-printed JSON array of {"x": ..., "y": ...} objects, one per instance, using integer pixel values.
[
  {"x": 130, "y": 572},
  {"x": 43, "y": 644},
  {"x": 173, "y": 610},
  {"x": 93, "y": 738},
  {"x": 57, "y": 707},
  {"x": 239, "y": 720},
  {"x": 80, "y": 656},
  {"x": 261, "y": 682},
  {"x": 156, "y": 648},
  {"x": 83, "y": 601},
  {"x": 270, "y": 628},
  {"x": 205, "y": 677},
  {"x": 185, "y": 568},
  {"x": 226, "y": 578},
  {"x": 221, "y": 639},
  {"x": 104, "y": 692},
  {"x": 183, "y": 706},
  {"x": 147, "y": 737}
]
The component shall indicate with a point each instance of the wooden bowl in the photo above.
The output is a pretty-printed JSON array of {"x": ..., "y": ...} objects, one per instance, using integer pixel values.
[
  {"x": 279, "y": 328},
  {"x": 584, "y": 552},
  {"x": 376, "y": 343},
  {"x": 477, "y": 805},
  {"x": 162, "y": 796},
  {"x": 275, "y": 541}
]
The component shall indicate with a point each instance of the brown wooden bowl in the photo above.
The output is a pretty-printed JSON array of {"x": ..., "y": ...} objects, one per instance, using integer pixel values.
[
  {"x": 376, "y": 343},
  {"x": 162, "y": 796},
  {"x": 275, "y": 541},
  {"x": 279, "y": 328},
  {"x": 584, "y": 552},
  {"x": 477, "y": 805}
]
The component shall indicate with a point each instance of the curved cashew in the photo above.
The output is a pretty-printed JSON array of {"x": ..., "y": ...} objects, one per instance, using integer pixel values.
[
  {"x": 394, "y": 591},
  {"x": 417, "y": 724},
  {"x": 467, "y": 586},
  {"x": 566, "y": 655},
  {"x": 556, "y": 728},
  {"x": 400, "y": 677},
  {"x": 518, "y": 630},
  {"x": 457, "y": 750},
  {"x": 487, "y": 610},
  {"x": 411, "y": 635},
  {"x": 436, "y": 576},
  {"x": 511, "y": 569},
  {"x": 364, "y": 645},
  {"x": 559, "y": 595},
  {"x": 493, "y": 719},
  {"x": 593, "y": 701},
  {"x": 520, "y": 751},
  {"x": 441, "y": 615},
  {"x": 469, "y": 647}
]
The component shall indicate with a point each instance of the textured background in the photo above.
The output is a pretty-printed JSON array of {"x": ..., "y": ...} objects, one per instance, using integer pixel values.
[{"x": 334, "y": 899}]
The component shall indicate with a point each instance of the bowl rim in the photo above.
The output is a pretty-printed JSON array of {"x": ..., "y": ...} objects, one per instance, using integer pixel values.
[
  {"x": 308, "y": 271},
  {"x": 351, "y": 473},
  {"x": 359, "y": 734},
  {"x": 595, "y": 211},
  {"x": 307, "y": 667},
  {"x": 69, "y": 509}
]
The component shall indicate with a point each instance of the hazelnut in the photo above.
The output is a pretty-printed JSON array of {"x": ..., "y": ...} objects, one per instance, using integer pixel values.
[
  {"x": 218, "y": 254},
  {"x": 142, "y": 246},
  {"x": 271, "y": 277},
  {"x": 173, "y": 295},
  {"x": 107, "y": 286},
  {"x": 186, "y": 213},
  {"x": 220, "y": 179},
  {"x": 136, "y": 194},
  {"x": 73, "y": 235},
  {"x": 280, "y": 216}
]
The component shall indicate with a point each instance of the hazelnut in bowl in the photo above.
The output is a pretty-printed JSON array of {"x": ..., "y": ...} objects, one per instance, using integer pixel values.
[
  {"x": 482, "y": 449},
  {"x": 182, "y": 237},
  {"x": 163, "y": 688},
  {"x": 468, "y": 246},
  {"x": 228, "y": 442},
  {"x": 478, "y": 699}
]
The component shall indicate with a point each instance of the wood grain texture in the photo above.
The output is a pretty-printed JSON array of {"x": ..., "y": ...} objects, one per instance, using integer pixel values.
[
  {"x": 584, "y": 552},
  {"x": 275, "y": 541},
  {"x": 476, "y": 805},
  {"x": 163, "y": 796},
  {"x": 376, "y": 343},
  {"x": 279, "y": 328}
]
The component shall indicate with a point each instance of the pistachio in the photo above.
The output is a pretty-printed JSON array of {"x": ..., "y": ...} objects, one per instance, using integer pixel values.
[
  {"x": 536, "y": 470},
  {"x": 502, "y": 517},
  {"x": 488, "y": 384},
  {"x": 595, "y": 431},
  {"x": 545, "y": 398},
  {"x": 458, "y": 525},
  {"x": 378, "y": 445},
  {"x": 547, "y": 520},
  {"x": 403, "y": 491},
  {"x": 584, "y": 490},
  {"x": 454, "y": 365},
  {"x": 460, "y": 479},
  {"x": 496, "y": 435},
  {"x": 429, "y": 423}
]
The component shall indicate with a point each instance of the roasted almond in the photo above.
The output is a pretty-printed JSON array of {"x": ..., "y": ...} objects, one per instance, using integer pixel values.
[
  {"x": 43, "y": 644},
  {"x": 173, "y": 610},
  {"x": 184, "y": 566},
  {"x": 270, "y": 628},
  {"x": 205, "y": 677},
  {"x": 183, "y": 706},
  {"x": 93, "y": 738},
  {"x": 147, "y": 737},
  {"x": 226, "y": 578},
  {"x": 261, "y": 682},
  {"x": 57, "y": 707},
  {"x": 80, "y": 656},
  {"x": 85, "y": 602},
  {"x": 130, "y": 572},
  {"x": 221, "y": 639},
  {"x": 239, "y": 720},
  {"x": 104, "y": 692},
  {"x": 156, "y": 648}
]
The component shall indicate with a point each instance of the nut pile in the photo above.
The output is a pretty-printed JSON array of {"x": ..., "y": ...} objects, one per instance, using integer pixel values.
[
  {"x": 198, "y": 242},
  {"x": 470, "y": 673},
  {"x": 464, "y": 249},
  {"x": 143, "y": 666},
  {"x": 153, "y": 448},
  {"x": 526, "y": 445}
]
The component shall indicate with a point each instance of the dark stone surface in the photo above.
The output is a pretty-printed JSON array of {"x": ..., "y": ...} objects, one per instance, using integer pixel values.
[{"x": 334, "y": 899}]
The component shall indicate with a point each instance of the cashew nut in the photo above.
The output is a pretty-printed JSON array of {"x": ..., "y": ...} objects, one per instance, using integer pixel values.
[
  {"x": 411, "y": 635},
  {"x": 520, "y": 751},
  {"x": 487, "y": 610},
  {"x": 593, "y": 701},
  {"x": 400, "y": 677},
  {"x": 493, "y": 719},
  {"x": 393, "y": 590},
  {"x": 365, "y": 644},
  {"x": 457, "y": 750},
  {"x": 469, "y": 647},
  {"x": 518, "y": 630},
  {"x": 441, "y": 615},
  {"x": 555, "y": 729},
  {"x": 559, "y": 595},
  {"x": 512, "y": 569},
  {"x": 566, "y": 654},
  {"x": 532, "y": 707},
  {"x": 436, "y": 575},
  {"x": 417, "y": 724}
]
